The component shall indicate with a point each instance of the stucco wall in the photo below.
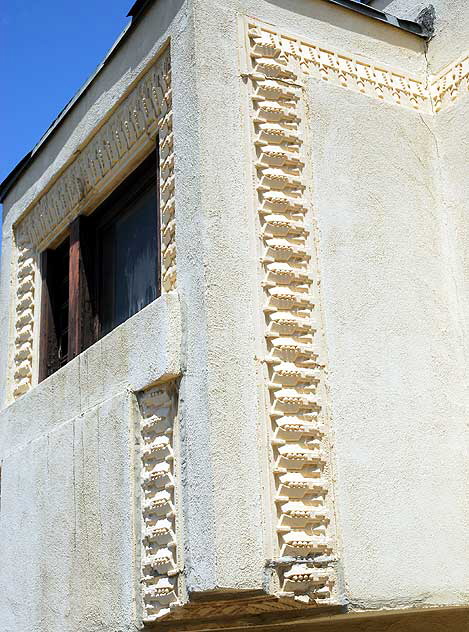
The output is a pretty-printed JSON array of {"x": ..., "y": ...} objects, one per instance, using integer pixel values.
[
  {"x": 69, "y": 539},
  {"x": 390, "y": 202},
  {"x": 392, "y": 320},
  {"x": 397, "y": 373},
  {"x": 225, "y": 197},
  {"x": 66, "y": 530},
  {"x": 69, "y": 515},
  {"x": 452, "y": 144}
]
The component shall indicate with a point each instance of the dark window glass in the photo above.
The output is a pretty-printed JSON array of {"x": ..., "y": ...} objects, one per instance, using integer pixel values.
[
  {"x": 129, "y": 256},
  {"x": 55, "y": 309}
]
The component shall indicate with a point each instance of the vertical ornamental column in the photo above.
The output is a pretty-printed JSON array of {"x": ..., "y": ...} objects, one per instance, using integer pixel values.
[
  {"x": 158, "y": 407},
  {"x": 168, "y": 220},
  {"x": 296, "y": 392},
  {"x": 24, "y": 317}
]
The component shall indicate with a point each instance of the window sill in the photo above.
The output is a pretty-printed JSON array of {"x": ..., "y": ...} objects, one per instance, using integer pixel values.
[{"x": 143, "y": 350}]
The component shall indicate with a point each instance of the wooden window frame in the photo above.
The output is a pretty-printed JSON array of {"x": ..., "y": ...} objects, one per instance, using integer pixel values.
[{"x": 85, "y": 265}]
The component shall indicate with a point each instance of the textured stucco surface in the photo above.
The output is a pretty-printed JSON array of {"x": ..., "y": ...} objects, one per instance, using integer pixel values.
[
  {"x": 66, "y": 530},
  {"x": 139, "y": 352},
  {"x": 227, "y": 512},
  {"x": 397, "y": 373},
  {"x": 390, "y": 193},
  {"x": 452, "y": 145}
]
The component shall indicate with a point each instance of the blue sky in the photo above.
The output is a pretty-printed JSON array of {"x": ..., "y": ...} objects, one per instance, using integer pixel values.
[{"x": 47, "y": 51}]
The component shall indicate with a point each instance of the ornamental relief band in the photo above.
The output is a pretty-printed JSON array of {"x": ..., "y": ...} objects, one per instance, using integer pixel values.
[
  {"x": 159, "y": 568},
  {"x": 289, "y": 279},
  {"x": 430, "y": 95},
  {"x": 127, "y": 136},
  {"x": 297, "y": 403}
]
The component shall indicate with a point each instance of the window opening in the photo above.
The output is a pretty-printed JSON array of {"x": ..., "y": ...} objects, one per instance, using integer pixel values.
[
  {"x": 55, "y": 312},
  {"x": 106, "y": 271}
]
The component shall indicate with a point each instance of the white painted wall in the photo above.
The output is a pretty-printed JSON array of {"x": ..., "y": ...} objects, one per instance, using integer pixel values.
[
  {"x": 390, "y": 197},
  {"x": 68, "y": 522},
  {"x": 397, "y": 365},
  {"x": 392, "y": 324},
  {"x": 66, "y": 530}
]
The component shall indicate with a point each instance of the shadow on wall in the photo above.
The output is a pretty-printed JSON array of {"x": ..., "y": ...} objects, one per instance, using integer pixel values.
[{"x": 350, "y": 21}]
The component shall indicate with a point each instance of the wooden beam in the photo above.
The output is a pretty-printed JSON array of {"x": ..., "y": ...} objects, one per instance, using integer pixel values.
[
  {"x": 80, "y": 334},
  {"x": 430, "y": 619},
  {"x": 74, "y": 293}
]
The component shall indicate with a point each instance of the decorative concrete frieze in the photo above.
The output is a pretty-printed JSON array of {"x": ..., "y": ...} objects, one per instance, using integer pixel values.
[
  {"x": 380, "y": 81},
  {"x": 168, "y": 219},
  {"x": 296, "y": 388},
  {"x": 345, "y": 70},
  {"x": 24, "y": 317},
  {"x": 105, "y": 157},
  {"x": 293, "y": 337},
  {"x": 450, "y": 84},
  {"x": 159, "y": 579},
  {"x": 104, "y": 160}
]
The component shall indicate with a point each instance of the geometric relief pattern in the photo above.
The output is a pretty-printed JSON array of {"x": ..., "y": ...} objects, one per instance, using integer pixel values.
[
  {"x": 128, "y": 133},
  {"x": 376, "y": 80},
  {"x": 296, "y": 396},
  {"x": 138, "y": 116},
  {"x": 167, "y": 201},
  {"x": 296, "y": 390},
  {"x": 158, "y": 406},
  {"x": 450, "y": 84},
  {"x": 24, "y": 318},
  {"x": 349, "y": 71}
]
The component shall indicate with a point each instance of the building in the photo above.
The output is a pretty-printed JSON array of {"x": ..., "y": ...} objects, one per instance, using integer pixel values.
[{"x": 234, "y": 313}]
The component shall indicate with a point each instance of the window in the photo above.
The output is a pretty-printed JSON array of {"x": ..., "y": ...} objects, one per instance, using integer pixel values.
[{"x": 103, "y": 272}]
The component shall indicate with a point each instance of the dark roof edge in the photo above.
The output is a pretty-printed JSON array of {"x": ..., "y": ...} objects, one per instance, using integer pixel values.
[
  {"x": 137, "y": 8},
  {"x": 421, "y": 29}
]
